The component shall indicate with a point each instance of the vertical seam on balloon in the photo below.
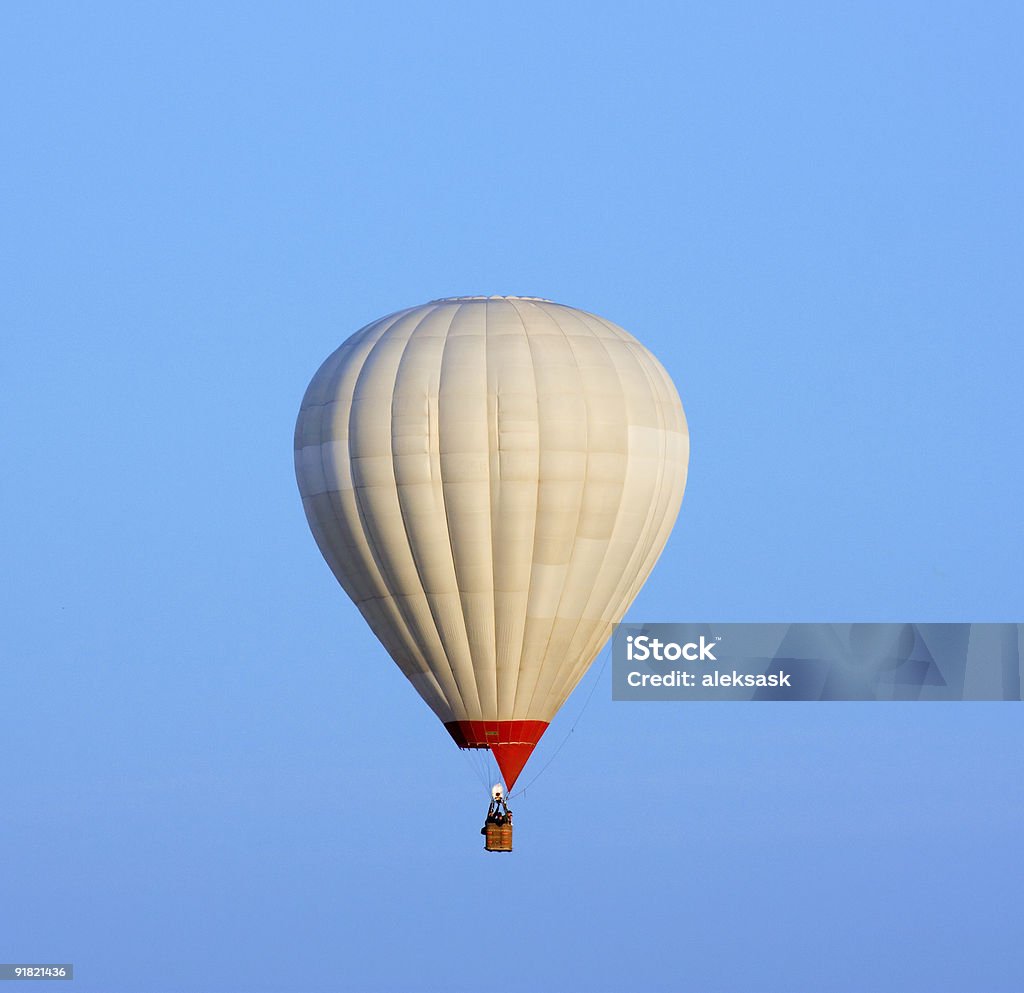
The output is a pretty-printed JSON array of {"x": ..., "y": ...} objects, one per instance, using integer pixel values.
[
  {"x": 386, "y": 574},
  {"x": 657, "y": 523},
  {"x": 648, "y": 532},
  {"x": 490, "y": 501},
  {"x": 579, "y": 510},
  {"x": 383, "y": 325},
  {"x": 331, "y": 390},
  {"x": 401, "y": 507},
  {"x": 536, "y": 506},
  {"x": 585, "y": 662},
  {"x": 558, "y": 688},
  {"x": 447, "y": 522},
  {"x": 667, "y": 389},
  {"x": 374, "y": 551},
  {"x": 652, "y": 527}
]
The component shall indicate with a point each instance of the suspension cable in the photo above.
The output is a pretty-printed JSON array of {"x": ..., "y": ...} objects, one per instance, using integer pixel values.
[{"x": 579, "y": 716}]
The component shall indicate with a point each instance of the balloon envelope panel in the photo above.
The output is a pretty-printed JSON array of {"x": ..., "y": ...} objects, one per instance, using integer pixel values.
[{"x": 491, "y": 481}]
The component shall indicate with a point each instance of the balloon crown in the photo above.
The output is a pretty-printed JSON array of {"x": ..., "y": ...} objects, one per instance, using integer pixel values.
[{"x": 460, "y": 299}]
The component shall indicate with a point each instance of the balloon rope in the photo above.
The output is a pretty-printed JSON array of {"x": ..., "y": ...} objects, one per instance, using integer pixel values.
[
  {"x": 586, "y": 703},
  {"x": 477, "y": 767},
  {"x": 481, "y": 761}
]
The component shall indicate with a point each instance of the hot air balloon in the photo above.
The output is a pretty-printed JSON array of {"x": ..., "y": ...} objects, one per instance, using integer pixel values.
[{"x": 491, "y": 480}]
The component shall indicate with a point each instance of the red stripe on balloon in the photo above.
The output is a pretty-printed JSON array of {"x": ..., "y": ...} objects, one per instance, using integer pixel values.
[{"x": 512, "y": 742}]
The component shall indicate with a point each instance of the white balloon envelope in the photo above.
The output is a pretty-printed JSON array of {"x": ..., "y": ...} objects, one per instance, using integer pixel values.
[{"x": 491, "y": 480}]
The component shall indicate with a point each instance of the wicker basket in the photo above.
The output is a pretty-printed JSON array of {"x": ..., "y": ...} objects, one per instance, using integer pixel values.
[{"x": 498, "y": 837}]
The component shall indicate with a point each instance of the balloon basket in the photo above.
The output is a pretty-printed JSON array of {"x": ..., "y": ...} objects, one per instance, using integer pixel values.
[{"x": 498, "y": 838}]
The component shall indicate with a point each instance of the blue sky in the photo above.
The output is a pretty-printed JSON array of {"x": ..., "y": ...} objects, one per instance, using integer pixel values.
[{"x": 213, "y": 779}]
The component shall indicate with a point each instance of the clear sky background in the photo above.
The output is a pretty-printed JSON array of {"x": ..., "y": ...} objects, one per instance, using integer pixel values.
[{"x": 212, "y": 778}]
